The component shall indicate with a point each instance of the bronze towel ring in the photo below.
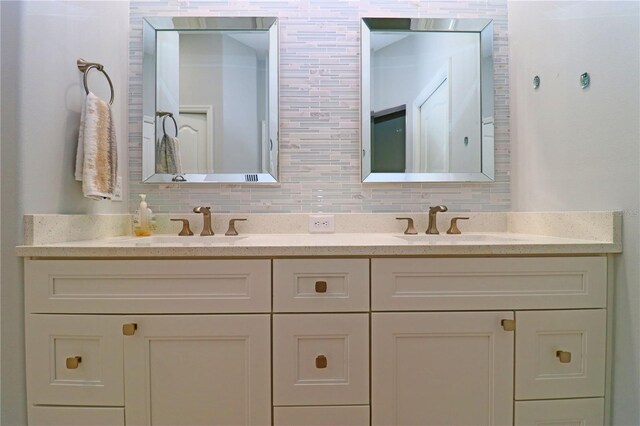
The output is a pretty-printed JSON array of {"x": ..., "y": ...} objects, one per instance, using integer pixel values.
[
  {"x": 85, "y": 67},
  {"x": 164, "y": 116}
]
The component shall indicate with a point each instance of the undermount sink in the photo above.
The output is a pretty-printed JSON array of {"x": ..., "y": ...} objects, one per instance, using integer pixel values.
[
  {"x": 195, "y": 240},
  {"x": 453, "y": 238}
]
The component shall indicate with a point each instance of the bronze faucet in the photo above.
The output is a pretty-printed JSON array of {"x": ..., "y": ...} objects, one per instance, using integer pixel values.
[
  {"x": 433, "y": 226},
  {"x": 206, "y": 218}
]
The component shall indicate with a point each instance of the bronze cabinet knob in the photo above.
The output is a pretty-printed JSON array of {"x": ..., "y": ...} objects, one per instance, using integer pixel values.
[
  {"x": 321, "y": 286},
  {"x": 321, "y": 361},
  {"x": 73, "y": 362},
  {"x": 129, "y": 329},
  {"x": 564, "y": 356}
]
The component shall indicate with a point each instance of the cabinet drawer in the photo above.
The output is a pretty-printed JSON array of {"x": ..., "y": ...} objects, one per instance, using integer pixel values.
[
  {"x": 488, "y": 283},
  {"x": 560, "y": 354},
  {"x": 320, "y": 285},
  {"x": 321, "y": 416},
  {"x": 321, "y": 359},
  {"x": 56, "y": 376},
  {"x": 569, "y": 412},
  {"x": 148, "y": 286},
  {"x": 65, "y": 416}
]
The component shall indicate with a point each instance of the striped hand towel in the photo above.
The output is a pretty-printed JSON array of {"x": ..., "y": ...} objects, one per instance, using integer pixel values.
[
  {"x": 168, "y": 155},
  {"x": 97, "y": 156}
]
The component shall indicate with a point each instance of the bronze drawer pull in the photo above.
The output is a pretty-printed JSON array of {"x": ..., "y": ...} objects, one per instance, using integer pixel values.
[
  {"x": 321, "y": 361},
  {"x": 73, "y": 362},
  {"x": 129, "y": 329},
  {"x": 321, "y": 286},
  {"x": 564, "y": 356},
  {"x": 508, "y": 324}
]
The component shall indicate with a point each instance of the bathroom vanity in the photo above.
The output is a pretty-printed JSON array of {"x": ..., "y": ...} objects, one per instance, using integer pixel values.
[{"x": 341, "y": 329}]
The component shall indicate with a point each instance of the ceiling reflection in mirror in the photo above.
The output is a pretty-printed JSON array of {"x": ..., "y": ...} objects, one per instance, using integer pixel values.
[
  {"x": 210, "y": 100},
  {"x": 427, "y": 100}
]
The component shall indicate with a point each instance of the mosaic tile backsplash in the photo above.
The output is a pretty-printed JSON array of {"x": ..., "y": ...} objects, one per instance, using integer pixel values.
[{"x": 320, "y": 112}]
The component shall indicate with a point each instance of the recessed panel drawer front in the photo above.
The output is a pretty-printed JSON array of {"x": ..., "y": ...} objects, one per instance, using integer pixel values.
[
  {"x": 148, "y": 286},
  {"x": 560, "y": 354},
  {"x": 322, "y": 416},
  {"x": 85, "y": 416},
  {"x": 565, "y": 412},
  {"x": 75, "y": 360},
  {"x": 488, "y": 283},
  {"x": 320, "y": 359},
  {"x": 320, "y": 285}
]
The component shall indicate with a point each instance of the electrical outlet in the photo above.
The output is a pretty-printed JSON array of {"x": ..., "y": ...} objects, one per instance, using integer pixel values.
[
  {"x": 321, "y": 223},
  {"x": 117, "y": 192}
]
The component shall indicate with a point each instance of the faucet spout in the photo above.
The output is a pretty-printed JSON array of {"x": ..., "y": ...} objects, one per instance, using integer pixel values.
[
  {"x": 433, "y": 211},
  {"x": 206, "y": 218}
]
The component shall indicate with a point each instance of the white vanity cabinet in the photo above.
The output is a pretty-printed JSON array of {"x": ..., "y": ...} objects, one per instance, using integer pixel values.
[
  {"x": 321, "y": 342},
  {"x": 97, "y": 348},
  {"x": 317, "y": 341},
  {"x": 443, "y": 367}
]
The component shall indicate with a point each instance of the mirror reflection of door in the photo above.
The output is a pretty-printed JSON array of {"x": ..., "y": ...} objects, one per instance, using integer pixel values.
[
  {"x": 434, "y": 131},
  {"x": 388, "y": 136},
  {"x": 193, "y": 140}
]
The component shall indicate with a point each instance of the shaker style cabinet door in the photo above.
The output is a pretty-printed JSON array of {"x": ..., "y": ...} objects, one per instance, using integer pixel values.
[
  {"x": 441, "y": 368},
  {"x": 74, "y": 360},
  {"x": 197, "y": 370}
]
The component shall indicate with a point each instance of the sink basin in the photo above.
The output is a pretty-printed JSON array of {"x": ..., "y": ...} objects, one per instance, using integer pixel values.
[
  {"x": 461, "y": 238},
  {"x": 173, "y": 240}
]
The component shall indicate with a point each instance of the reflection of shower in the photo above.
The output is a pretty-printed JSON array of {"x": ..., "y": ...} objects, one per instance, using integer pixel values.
[{"x": 388, "y": 140}]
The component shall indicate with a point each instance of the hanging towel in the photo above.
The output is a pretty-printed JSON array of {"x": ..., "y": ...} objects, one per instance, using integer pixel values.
[
  {"x": 97, "y": 156},
  {"x": 168, "y": 155}
]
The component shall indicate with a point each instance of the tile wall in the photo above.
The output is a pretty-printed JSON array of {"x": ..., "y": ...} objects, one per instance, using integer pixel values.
[{"x": 319, "y": 112}]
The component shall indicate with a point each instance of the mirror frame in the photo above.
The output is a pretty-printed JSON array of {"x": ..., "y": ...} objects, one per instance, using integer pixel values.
[
  {"x": 484, "y": 27},
  {"x": 151, "y": 26}
]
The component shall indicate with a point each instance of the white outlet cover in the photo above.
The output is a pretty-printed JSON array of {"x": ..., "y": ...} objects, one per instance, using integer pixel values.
[{"x": 322, "y": 223}]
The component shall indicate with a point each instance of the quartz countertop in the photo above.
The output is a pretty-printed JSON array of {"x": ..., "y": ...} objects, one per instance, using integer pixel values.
[
  {"x": 338, "y": 244},
  {"x": 286, "y": 235}
]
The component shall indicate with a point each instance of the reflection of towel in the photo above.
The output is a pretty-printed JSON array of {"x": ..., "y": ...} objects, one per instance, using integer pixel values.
[
  {"x": 97, "y": 156},
  {"x": 168, "y": 155}
]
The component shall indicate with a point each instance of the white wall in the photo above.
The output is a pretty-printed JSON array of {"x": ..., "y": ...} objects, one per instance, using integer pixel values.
[
  {"x": 575, "y": 149},
  {"x": 41, "y": 97}
]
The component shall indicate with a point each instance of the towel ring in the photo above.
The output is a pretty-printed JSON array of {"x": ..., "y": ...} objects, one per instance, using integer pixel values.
[
  {"x": 85, "y": 67},
  {"x": 170, "y": 115},
  {"x": 164, "y": 115}
]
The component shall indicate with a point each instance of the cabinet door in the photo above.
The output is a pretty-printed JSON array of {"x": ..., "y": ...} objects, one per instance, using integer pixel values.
[
  {"x": 441, "y": 369},
  {"x": 74, "y": 360},
  {"x": 320, "y": 359},
  {"x": 197, "y": 370},
  {"x": 560, "y": 354}
]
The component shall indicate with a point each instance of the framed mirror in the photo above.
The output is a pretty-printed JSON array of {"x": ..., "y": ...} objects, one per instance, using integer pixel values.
[
  {"x": 427, "y": 100},
  {"x": 210, "y": 99}
]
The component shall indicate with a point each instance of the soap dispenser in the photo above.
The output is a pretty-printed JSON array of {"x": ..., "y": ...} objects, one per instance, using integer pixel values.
[{"x": 143, "y": 219}]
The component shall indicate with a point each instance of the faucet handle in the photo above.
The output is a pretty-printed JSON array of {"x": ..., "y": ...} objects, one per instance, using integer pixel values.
[
  {"x": 453, "y": 229},
  {"x": 232, "y": 227},
  {"x": 185, "y": 227},
  {"x": 410, "y": 229}
]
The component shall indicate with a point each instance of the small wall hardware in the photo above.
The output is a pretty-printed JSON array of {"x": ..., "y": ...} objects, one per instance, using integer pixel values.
[
  {"x": 536, "y": 82},
  {"x": 585, "y": 80}
]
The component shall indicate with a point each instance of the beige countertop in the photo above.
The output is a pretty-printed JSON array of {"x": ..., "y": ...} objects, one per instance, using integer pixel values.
[
  {"x": 341, "y": 244},
  {"x": 363, "y": 234}
]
